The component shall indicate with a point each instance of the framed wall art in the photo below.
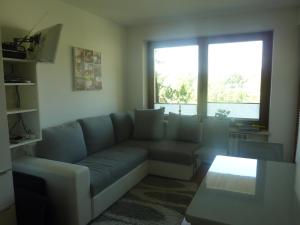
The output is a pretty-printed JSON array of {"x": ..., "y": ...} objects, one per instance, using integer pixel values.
[{"x": 87, "y": 69}]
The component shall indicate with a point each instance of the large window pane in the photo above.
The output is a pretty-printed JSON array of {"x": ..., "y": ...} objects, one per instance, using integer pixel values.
[
  {"x": 176, "y": 78},
  {"x": 234, "y": 79}
]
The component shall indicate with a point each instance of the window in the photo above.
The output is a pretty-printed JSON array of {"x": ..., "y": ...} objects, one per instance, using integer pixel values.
[
  {"x": 213, "y": 74},
  {"x": 234, "y": 79},
  {"x": 176, "y": 78}
]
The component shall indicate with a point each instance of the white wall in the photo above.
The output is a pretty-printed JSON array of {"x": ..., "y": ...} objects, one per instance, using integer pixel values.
[
  {"x": 285, "y": 75},
  {"x": 298, "y": 138},
  {"x": 58, "y": 102}
]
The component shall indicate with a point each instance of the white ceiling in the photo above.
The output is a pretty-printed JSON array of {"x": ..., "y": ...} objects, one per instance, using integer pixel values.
[{"x": 133, "y": 12}]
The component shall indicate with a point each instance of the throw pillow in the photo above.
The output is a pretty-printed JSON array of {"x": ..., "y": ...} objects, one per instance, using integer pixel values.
[
  {"x": 173, "y": 126},
  {"x": 123, "y": 126},
  {"x": 190, "y": 129},
  {"x": 98, "y": 133},
  {"x": 149, "y": 124},
  {"x": 183, "y": 128},
  {"x": 63, "y": 143}
]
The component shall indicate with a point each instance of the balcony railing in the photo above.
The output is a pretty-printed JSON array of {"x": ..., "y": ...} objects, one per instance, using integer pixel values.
[
  {"x": 237, "y": 110},
  {"x": 184, "y": 109}
]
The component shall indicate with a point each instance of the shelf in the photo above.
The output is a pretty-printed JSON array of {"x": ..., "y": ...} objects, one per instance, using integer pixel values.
[
  {"x": 18, "y": 111},
  {"x": 259, "y": 132},
  {"x": 19, "y": 60},
  {"x": 19, "y": 84},
  {"x": 25, "y": 142}
]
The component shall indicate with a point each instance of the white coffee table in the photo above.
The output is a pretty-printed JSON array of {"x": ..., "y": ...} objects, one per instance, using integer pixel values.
[{"x": 239, "y": 191}]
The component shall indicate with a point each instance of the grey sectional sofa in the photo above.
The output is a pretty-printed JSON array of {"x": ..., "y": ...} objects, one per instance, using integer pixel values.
[{"x": 90, "y": 163}]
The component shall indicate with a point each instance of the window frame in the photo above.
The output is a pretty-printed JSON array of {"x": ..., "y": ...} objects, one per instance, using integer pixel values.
[{"x": 203, "y": 44}]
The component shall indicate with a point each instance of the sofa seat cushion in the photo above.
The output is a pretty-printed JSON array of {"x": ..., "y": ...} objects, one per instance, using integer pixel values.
[
  {"x": 109, "y": 165},
  {"x": 168, "y": 151}
]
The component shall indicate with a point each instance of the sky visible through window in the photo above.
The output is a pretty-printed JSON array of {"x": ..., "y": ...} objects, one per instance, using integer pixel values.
[
  {"x": 176, "y": 68},
  {"x": 176, "y": 72},
  {"x": 176, "y": 63},
  {"x": 234, "y": 78},
  {"x": 235, "y": 66}
]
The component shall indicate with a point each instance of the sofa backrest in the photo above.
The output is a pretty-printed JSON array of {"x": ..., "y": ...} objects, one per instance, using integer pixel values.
[
  {"x": 123, "y": 125},
  {"x": 149, "y": 124},
  {"x": 98, "y": 133},
  {"x": 63, "y": 143},
  {"x": 183, "y": 128},
  {"x": 216, "y": 133}
]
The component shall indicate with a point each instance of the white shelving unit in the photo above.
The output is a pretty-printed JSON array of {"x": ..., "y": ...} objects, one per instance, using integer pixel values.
[
  {"x": 7, "y": 208},
  {"x": 22, "y": 108}
]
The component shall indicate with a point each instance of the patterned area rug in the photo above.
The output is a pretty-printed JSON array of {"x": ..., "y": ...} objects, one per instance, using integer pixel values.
[{"x": 154, "y": 201}]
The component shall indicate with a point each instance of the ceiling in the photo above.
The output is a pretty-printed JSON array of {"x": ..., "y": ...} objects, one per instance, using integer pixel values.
[{"x": 134, "y": 12}]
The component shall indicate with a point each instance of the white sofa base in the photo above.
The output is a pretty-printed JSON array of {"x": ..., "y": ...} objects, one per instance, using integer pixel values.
[
  {"x": 115, "y": 191},
  {"x": 172, "y": 170}
]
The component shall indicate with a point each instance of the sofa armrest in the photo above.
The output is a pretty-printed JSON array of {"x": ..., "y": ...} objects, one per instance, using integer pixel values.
[{"x": 68, "y": 188}]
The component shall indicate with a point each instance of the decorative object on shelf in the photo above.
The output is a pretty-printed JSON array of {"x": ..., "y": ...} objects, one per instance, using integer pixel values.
[
  {"x": 87, "y": 69},
  {"x": 222, "y": 114}
]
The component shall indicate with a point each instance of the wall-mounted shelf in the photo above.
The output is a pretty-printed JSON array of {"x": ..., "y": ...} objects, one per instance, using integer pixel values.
[
  {"x": 19, "y": 84},
  {"x": 19, "y": 111},
  {"x": 18, "y": 60},
  {"x": 25, "y": 142}
]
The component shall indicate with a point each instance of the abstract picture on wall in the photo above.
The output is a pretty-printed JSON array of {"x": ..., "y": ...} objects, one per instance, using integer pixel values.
[{"x": 87, "y": 69}]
